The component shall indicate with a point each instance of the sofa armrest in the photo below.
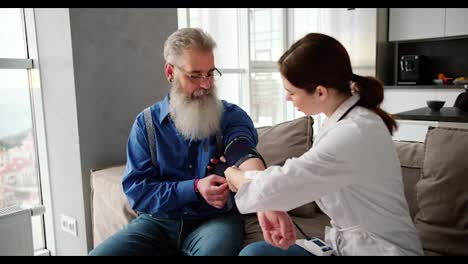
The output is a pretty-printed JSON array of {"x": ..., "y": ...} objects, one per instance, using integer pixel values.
[{"x": 109, "y": 205}]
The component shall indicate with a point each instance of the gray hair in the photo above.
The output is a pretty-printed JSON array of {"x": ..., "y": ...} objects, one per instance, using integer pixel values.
[{"x": 187, "y": 38}]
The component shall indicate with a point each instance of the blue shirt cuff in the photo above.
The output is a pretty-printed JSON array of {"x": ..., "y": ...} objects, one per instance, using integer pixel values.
[{"x": 186, "y": 193}]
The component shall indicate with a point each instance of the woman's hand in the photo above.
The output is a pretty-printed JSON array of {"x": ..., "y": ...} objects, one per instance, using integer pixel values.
[
  {"x": 278, "y": 228},
  {"x": 235, "y": 178}
]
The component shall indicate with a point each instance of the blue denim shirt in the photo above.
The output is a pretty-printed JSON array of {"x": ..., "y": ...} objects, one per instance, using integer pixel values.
[{"x": 167, "y": 189}]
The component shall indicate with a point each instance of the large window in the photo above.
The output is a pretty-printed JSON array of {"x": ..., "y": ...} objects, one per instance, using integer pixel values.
[
  {"x": 218, "y": 21},
  {"x": 266, "y": 34},
  {"x": 19, "y": 169},
  {"x": 251, "y": 40}
]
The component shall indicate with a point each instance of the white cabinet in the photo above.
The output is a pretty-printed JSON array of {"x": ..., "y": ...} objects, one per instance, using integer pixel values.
[
  {"x": 409, "y": 130},
  {"x": 416, "y": 23},
  {"x": 456, "y": 21}
]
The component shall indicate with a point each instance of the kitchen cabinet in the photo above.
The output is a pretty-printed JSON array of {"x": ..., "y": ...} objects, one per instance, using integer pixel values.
[
  {"x": 424, "y": 23},
  {"x": 416, "y": 23},
  {"x": 456, "y": 21}
]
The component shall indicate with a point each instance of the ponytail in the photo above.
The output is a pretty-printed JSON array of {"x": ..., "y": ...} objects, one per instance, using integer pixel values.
[{"x": 371, "y": 91}]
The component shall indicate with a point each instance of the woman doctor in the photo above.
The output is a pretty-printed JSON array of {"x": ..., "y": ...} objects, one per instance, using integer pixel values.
[{"x": 352, "y": 171}]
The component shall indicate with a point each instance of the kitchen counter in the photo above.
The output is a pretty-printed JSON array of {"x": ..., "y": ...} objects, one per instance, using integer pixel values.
[
  {"x": 413, "y": 124},
  {"x": 446, "y": 114}
]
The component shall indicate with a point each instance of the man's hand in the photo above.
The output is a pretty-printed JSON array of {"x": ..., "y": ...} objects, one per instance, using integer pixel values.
[
  {"x": 214, "y": 190},
  {"x": 278, "y": 228}
]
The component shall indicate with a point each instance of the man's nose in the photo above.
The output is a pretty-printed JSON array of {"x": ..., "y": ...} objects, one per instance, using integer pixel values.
[{"x": 205, "y": 83}]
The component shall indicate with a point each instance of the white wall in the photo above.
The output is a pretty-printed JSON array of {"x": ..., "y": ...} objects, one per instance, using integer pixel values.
[
  {"x": 61, "y": 124},
  {"x": 119, "y": 70},
  {"x": 398, "y": 100}
]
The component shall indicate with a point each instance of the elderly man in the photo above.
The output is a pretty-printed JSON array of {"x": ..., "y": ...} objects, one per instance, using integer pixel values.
[{"x": 185, "y": 209}]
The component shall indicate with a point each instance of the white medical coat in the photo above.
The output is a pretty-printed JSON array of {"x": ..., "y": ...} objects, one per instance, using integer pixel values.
[{"x": 353, "y": 173}]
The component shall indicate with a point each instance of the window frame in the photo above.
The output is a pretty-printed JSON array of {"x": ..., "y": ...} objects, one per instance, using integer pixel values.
[{"x": 38, "y": 128}]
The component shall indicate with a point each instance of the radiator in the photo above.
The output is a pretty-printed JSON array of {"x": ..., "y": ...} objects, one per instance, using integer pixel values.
[{"x": 16, "y": 232}]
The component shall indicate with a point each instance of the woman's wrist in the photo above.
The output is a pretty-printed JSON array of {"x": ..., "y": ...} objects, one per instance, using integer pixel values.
[{"x": 240, "y": 179}]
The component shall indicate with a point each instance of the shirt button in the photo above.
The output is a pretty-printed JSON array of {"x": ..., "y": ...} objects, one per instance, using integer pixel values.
[{"x": 190, "y": 166}]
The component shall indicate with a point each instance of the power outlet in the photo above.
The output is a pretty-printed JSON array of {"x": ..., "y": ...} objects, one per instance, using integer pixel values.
[{"x": 69, "y": 224}]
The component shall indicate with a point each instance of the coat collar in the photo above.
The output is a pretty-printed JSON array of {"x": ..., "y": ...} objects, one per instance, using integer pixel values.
[{"x": 339, "y": 112}]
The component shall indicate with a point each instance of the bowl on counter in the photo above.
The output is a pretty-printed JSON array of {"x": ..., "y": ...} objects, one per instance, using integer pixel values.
[
  {"x": 460, "y": 82},
  {"x": 435, "y": 105}
]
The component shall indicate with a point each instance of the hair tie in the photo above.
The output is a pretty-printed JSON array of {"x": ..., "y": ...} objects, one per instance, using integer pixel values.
[{"x": 353, "y": 85}]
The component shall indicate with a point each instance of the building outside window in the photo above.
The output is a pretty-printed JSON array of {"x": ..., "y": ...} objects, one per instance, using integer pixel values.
[{"x": 19, "y": 166}]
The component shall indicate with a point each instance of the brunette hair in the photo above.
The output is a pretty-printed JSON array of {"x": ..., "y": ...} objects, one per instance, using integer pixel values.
[{"x": 318, "y": 59}]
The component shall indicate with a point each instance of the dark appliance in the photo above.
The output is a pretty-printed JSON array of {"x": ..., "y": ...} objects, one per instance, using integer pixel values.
[
  {"x": 412, "y": 69},
  {"x": 462, "y": 100}
]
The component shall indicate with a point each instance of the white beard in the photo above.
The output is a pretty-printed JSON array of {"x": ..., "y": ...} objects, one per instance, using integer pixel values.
[{"x": 198, "y": 116}]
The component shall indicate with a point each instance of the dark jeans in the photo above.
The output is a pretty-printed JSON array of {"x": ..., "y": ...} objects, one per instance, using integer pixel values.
[
  {"x": 146, "y": 235},
  {"x": 262, "y": 248}
]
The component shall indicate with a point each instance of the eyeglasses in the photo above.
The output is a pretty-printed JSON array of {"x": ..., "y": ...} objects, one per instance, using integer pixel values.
[{"x": 214, "y": 74}]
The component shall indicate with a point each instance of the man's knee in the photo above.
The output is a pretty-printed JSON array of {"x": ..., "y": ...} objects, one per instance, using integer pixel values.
[
  {"x": 220, "y": 236},
  {"x": 255, "y": 249}
]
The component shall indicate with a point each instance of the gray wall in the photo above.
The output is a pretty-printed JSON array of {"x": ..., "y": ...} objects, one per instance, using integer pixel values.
[
  {"x": 118, "y": 71},
  {"x": 118, "y": 65}
]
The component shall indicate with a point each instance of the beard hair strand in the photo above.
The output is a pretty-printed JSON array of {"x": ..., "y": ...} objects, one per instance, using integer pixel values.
[{"x": 195, "y": 117}]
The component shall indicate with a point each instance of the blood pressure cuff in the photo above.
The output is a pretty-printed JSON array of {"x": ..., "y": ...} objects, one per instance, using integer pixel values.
[
  {"x": 236, "y": 152},
  {"x": 240, "y": 150}
]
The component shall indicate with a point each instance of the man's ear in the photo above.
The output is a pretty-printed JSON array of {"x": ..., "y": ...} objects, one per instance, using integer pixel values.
[{"x": 169, "y": 71}]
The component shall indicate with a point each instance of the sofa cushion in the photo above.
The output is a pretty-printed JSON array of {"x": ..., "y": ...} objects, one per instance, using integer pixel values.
[
  {"x": 286, "y": 140},
  {"x": 442, "y": 219},
  {"x": 411, "y": 156}
]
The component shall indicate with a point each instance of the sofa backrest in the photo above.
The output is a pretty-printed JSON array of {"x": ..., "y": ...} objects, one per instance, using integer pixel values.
[
  {"x": 435, "y": 179},
  {"x": 286, "y": 140},
  {"x": 411, "y": 155},
  {"x": 441, "y": 192}
]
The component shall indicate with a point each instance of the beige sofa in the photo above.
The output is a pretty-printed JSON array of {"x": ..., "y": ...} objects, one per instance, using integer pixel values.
[{"x": 434, "y": 174}]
